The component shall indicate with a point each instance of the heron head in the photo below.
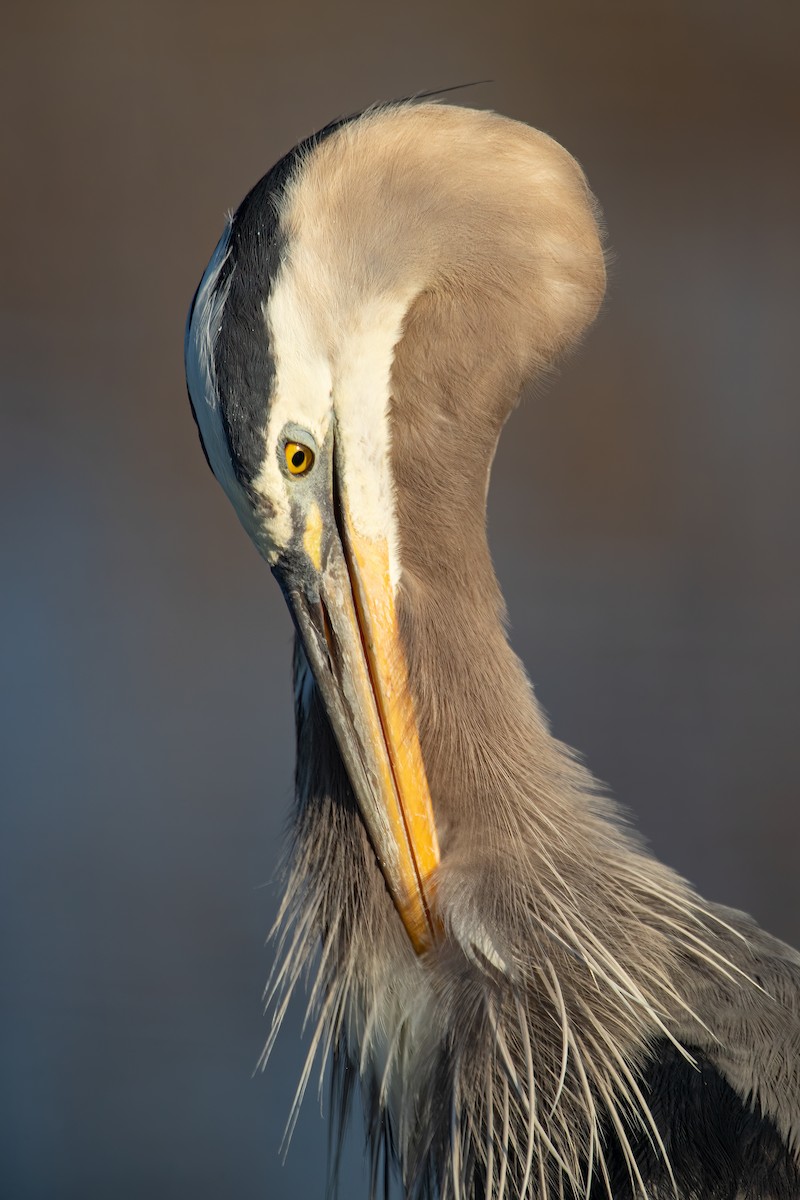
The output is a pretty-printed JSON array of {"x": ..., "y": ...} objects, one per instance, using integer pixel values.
[{"x": 468, "y": 240}]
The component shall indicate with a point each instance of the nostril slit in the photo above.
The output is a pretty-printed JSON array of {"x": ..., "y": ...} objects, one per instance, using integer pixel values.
[{"x": 330, "y": 637}]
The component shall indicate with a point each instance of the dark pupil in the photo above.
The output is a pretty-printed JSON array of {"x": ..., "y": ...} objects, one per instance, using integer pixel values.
[{"x": 298, "y": 458}]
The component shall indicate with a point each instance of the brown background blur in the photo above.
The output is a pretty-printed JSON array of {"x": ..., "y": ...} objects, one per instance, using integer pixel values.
[{"x": 644, "y": 517}]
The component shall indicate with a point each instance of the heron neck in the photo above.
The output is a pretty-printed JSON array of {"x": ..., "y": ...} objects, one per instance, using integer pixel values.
[{"x": 481, "y": 729}]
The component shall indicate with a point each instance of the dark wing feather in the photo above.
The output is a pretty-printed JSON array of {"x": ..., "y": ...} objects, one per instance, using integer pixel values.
[
  {"x": 719, "y": 1146},
  {"x": 731, "y": 1125}
]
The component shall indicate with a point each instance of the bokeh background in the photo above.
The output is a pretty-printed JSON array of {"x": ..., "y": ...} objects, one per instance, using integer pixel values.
[{"x": 644, "y": 517}]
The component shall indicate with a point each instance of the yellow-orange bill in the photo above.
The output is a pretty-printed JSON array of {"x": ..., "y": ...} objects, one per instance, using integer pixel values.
[
  {"x": 345, "y": 613},
  {"x": 406, "y": 797}
]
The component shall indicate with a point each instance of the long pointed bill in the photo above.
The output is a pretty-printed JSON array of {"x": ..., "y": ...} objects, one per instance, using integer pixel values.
[{"x": 351, "y": 641}]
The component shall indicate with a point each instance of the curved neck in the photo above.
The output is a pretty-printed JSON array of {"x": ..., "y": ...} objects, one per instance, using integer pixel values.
[{"x": 480, "y": 726}]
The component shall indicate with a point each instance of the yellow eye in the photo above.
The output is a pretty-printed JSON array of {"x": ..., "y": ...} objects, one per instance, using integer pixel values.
[{"x": 299, "y": 458}]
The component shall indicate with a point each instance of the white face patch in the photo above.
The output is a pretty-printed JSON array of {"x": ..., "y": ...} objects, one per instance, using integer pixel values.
[
  {"x": 302, "y": 392},
  {"x": 362, "y": 393},
  {"x": 329, "y": 361},
  {"x": 333, "y": 354}
]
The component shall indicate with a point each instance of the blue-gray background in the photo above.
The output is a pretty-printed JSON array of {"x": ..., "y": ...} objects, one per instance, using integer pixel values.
[{"x": 644, "y": 518}]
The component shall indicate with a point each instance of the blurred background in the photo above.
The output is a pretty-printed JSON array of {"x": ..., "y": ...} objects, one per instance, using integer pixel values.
[{"x": 644, "y": 518}]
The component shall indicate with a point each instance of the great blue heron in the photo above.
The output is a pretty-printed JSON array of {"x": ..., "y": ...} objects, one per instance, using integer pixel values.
[{"x": 533, "y": 1005}]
